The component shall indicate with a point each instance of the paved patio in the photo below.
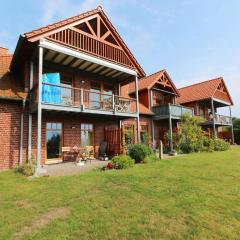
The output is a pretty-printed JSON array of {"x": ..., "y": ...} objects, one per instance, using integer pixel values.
[{"x": 69, "y": 168}]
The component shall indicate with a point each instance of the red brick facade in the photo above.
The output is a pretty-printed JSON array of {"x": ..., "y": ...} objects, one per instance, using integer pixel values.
[{"x": 10, "y": 122}]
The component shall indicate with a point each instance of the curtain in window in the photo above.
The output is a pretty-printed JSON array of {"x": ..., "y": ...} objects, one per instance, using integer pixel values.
[{"x": 51, "y": 94}]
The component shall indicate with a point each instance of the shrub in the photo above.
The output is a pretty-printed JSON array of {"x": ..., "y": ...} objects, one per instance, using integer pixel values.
[
  {"x": 140, "y": 151},
  {"x": 190, "y": 135},
  {"x": 122, "y": 162},
  {"x": 220, "y": 145},
  {"x": 150, "y": 159},
  {"x": 26, "y": 169},
  {"x": 217, "y": 144}
]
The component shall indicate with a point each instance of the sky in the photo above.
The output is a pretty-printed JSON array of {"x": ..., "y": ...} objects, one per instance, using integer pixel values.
[{"x": 193, "y": 40}]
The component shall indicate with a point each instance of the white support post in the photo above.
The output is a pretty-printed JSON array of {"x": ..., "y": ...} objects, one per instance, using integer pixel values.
[
  {"x": 113, "y": 103},
  {"x": 137, "y": 108},
  {"x": 170, "y": 129},
  {"x": 39, "y": 115},
  {"x": 30, "y": 117},
  {"x": 119, "y": 89},
  {"x": 213, "y": 113},
  {"x": 81, "y": 99},
  {"x": 151, "y": 99},
  {"x": 230, "y": 112}
]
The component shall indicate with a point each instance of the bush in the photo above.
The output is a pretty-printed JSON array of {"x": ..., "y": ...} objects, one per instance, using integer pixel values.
[
  {"x": 150, "y": 159},
  {"x": 140, "y": 151},
  {"x": 220, "y": 145},
  {"x": 217, "y": 144},
  {"x": 122, "y": 162},
  {"x": 26, "y": 169}
]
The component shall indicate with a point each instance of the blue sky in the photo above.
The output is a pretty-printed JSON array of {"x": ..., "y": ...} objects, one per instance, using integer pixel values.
[{"x": 194, "y": 40}]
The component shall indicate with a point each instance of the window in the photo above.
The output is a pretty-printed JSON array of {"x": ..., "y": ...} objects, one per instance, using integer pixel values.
[
  {"x": 94, "y": 100},
  {"x": 144, "y": 134},
  {"x": 54, "y": 140},
  {"x": 86, "y": 134},
  {"x": 129, "y": 134},
  {"x": 101, "y": 93},
  {"x": 66, "y": 89}
]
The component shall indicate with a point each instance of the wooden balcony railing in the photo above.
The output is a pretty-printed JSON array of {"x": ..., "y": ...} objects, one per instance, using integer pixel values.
[
  {"x": 84, "y": 42},
  {"x": 58, "y": 95},
  {"x": 176, "y": 111}
]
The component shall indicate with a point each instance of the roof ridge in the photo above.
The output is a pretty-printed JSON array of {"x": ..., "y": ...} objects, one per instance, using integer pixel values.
[
  {"x": 153, "y": 74},
  {"x": 202, "y": 82},
  {"x": 97, "y": 9}
]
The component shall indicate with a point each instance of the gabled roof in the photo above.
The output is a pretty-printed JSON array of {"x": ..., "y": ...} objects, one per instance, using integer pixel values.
[
  {"x": 9, "y": 87},
  {"x": 201, "y": 91},
  {"x": 149, "y": 81},
  {"x": 37, "y": 34},
  {"x": 144, "y": 110}
]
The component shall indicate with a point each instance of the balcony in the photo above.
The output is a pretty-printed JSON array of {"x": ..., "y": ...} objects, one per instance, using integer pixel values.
[
  {"x": 172, "y": 110},
  {"x": 221, "y": 120},
  {"x": 83, "y": 42},
  {"x": 62, "y": 98}
]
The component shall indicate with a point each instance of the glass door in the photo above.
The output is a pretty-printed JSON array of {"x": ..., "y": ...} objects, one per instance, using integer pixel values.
[
  {"x": 87, "y": 138},
  {"x": 54, "y": 141}
]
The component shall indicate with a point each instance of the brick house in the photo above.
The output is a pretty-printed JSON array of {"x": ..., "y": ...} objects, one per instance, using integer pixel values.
[
  {"x": 205, "y": 98},
  {"x": 158, "y": 112},
  {"x": 76, "y": 83},
  {"x": 62, "y": 87}
]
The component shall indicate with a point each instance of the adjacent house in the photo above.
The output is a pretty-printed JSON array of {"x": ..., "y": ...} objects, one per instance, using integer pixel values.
[
  {"x": 75, "y": 83},
  {"x": 205, "y": 98},
  {"x": 158, "y": 111}
]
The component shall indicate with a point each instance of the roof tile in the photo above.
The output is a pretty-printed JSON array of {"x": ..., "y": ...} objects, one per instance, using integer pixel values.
[
  {"x": 198, "y": 91},
  {"x": 9, "y": 87}
]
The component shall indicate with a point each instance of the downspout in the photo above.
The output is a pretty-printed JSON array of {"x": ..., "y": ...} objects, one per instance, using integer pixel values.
[
  {"x": 30, "y": 116},
  {"x": 21, "y": 132}
]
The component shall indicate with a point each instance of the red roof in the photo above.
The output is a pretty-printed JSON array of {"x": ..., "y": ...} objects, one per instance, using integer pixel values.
[
  {"x": 148, "y": 82},
  {"x": 144, "y": 110},
  {"x": 200, "y": 91},
  {"x": 9, "y": 87},
  {"x": 36, "y": 34}
]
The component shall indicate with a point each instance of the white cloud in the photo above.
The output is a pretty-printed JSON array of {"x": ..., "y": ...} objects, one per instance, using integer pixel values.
[{"x": 57, "y": 9}]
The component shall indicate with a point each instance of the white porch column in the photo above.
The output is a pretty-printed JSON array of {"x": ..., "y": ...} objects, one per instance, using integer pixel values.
[
  {"x": 30, "y": 117},
  {"x": 170, "y": 129},
  {"x": 39, "y": 114},
  {"x": 213, "y": 113},
  {"x": 230, "y": 112},
  {"x": 137, "y": 108}
]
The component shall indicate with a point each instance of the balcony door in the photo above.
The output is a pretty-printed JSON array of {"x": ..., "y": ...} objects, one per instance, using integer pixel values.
[
  {"x": 54, "y": 141},
  {"x": 101, "y": 96},
  {"x": 87, "y": 137}
]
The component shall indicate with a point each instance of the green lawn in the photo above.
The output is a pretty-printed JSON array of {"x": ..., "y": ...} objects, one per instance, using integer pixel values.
[{"x": 195, "y": 196}]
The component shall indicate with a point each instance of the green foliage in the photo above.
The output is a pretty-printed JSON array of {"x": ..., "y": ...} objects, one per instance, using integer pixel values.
[
  {"x": 220, "y": 145},
  {"x": 139, "y": 151},
  {"x": 128, "y": 137},
  {"x": 236, "y": 136},
  {"x": 26, "y": 169},
  {"x": 236, "y": 130},
  {"x": 122, "y": 162},
  {"x": 150, "y": 159},
  {"x": 191, "y": 137}
]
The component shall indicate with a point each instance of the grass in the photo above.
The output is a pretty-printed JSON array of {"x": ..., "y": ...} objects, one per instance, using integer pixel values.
[{"x": 195, "y": 196}]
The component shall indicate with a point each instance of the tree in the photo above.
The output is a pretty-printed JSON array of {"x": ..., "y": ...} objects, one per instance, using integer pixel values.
[
  {"x": 190, "y": 137},
  {"x": 236, "y": 130}
]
